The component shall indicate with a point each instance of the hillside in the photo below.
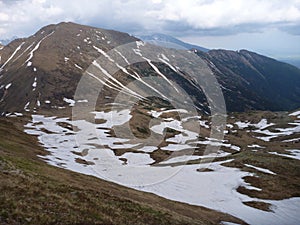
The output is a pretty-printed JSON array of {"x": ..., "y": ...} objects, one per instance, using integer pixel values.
[
  {"x": 33, "y": 192},
  {"x": 40, "y": 71}
]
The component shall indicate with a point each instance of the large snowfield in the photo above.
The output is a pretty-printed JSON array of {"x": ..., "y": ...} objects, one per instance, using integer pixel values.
[{"x": 213, "y": 187}]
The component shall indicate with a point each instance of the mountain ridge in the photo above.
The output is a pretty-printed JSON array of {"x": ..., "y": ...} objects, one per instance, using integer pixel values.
[
  {"x": 171, "y": 42},
  {"x": 47, "y": 66}
]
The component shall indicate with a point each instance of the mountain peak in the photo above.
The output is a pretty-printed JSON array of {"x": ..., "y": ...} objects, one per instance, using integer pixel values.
[{"x": 40, "y": 71}]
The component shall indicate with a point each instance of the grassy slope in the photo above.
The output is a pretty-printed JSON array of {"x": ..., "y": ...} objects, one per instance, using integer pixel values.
[{"x": 32, "y": 192}]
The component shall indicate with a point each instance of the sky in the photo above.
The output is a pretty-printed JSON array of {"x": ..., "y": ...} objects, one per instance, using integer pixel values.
[{"x": 270, "y": 27}]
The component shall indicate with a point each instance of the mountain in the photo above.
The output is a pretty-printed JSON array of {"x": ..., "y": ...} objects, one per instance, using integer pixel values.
[
  {"x": 292, "y": 61},
  {"x": 170, "y": 42},
  {"x": 253, "y": 81},
  {"x": 7, "y": 41},
  {"x": 43, "y": 70}
]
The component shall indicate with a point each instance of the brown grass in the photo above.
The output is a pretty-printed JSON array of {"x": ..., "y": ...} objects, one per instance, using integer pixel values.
[{"x": 32, "y": 192}]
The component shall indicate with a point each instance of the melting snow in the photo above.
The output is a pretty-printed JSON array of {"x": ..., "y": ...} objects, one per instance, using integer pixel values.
[
  {"x": 26, "y": 107},
  {"x": 7, "y": 86},
  {"x": 148, "y": 148},
  {"x": 34, "y": 84},
  {"x": 37, "y": 46},
  {"x": 215, "y": 189},
  {"x": 229, "y": 223},
  {"x": 137, "y": 159},
  {"x": 291, "y": 140},
  {"x": 260, "y": 169},
  {"x": 242, "y": 125},
  {"x": 17, "y": 49},
  {"x": 70, "y": 101},
  {"x": 294, "y": 154},
  {"x": 83, "y": 100},
  {"x": 14, "y": 114},
  {"x": 263, "y": 124},
  {"x": 255, "y": 146},
  {"x": 79, "y": 67},
  {"x": 297, "y": 113}
]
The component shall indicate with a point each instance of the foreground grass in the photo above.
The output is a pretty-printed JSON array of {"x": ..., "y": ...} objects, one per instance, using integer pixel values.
[{"x": 32, "y": 192}]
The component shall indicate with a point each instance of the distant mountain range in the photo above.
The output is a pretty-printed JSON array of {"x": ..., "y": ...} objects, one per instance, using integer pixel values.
[
  {"x": 7, "y": 41},
  {"x": 171, "y": 42},
  {"x": 292, "y": 61},
  {"x": 42, "y": 71}
]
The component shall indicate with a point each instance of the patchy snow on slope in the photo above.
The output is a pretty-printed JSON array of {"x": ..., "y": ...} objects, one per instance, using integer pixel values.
[
  {"x": 263, "y": 124},
  {"x": 242, "y": 125},
  {"x": 255, "y": 146},
  {"x": 297, "y": 113},
  {"x": 78, "y": 67},
  {"x": 230, "y": 126},
  {"x": 260, "y": 125},
  {"x": 70, "y": 101},
  {"x": 26, "y": 107},
  {"x": 7, "y": 86},
  {"x": 260, "y": 169},
  {"x": 281, "y": 132},
  {"x": 215, "y": 189},
  {"x": 29, "y": 63},
  {"x": 14, "y": 114},
  {"x": 293, "y": 153},
  {"x": 34, "y": 84},
  {"x": 292, "y": 140},
  {"x": 176, "y": 147},
  {"x": 12, "y": 55},
  {"x": 82, "y": 100},
  {"x": 37, "y": 47},
  {"x": 148, "y": 149},
  {"x": 137, "y": 159},
  {"x": 229, "y": 223}
]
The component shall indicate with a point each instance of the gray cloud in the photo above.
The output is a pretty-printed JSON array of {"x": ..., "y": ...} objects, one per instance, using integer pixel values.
[{"x": 202, "y": 17}]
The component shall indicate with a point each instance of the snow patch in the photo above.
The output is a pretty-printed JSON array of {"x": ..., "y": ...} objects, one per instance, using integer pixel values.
[
  {"x": 12, "y": 55},
  {"x": 293, "y": 153},
  {"x": 79, "y": 67},
  {"x": 260, "y": 169},
  {"x": 37, "y": 46},
  {"x": 34, "y": 84},
  {"x": 7, "y": 86},
  {"x": 137, "y": 159},
  {"x": 70, "y": 101}
]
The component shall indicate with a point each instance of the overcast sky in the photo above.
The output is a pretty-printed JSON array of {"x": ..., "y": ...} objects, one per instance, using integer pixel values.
[{"x": 270, "y": 27}]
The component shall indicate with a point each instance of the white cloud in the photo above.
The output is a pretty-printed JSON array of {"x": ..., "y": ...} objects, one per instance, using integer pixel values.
[{"x": 24, "y": 17}]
